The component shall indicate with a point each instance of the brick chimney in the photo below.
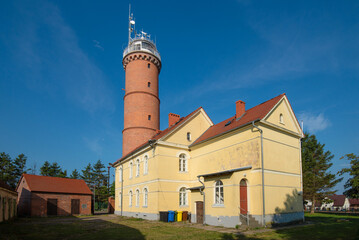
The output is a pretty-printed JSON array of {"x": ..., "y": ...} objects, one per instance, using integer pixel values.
[
  {"x": 173, "y": 118},
  {"x": 240, "y": 108}
]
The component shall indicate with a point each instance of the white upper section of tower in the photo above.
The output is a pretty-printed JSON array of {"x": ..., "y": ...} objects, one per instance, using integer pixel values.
[{"x": 139, "y": 42}]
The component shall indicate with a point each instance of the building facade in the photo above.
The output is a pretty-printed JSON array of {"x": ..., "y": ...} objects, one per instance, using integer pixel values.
[
  {"x": 45, "y": 196},
  {"x": 243, "y": 170},
  {"x": 8, "y": 207}
]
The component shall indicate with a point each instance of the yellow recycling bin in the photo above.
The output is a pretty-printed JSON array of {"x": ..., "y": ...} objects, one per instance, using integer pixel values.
[{"x": 179, "y": 216}]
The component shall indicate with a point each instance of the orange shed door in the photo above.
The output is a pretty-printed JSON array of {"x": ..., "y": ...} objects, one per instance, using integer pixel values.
[{"x": 243, "y": 196}]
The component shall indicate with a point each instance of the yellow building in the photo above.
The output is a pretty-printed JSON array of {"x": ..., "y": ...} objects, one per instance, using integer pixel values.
[
  {"x": 8, "y": 206},
  {"x": 244, "y": 170}
]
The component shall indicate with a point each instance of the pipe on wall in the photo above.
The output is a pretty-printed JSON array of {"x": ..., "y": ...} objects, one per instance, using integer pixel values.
[
  {"x": 204, "y": 199},
  {"x": 263, "y": 213}
]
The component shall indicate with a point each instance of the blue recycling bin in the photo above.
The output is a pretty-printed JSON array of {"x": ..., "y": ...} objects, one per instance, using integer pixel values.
[{"x": 171, "y": 216}]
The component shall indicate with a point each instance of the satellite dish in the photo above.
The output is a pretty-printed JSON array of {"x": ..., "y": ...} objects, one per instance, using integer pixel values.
[{"x": 132, "y": 22}]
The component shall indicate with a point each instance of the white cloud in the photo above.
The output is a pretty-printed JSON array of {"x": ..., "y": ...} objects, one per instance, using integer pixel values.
[
  {"x": 314, "y": 123},
  {"x": 98, "y": 45},
  {"x": 94, "y": 145}
]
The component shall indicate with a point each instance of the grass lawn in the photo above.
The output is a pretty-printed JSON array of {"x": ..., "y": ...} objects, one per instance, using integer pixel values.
[{"x": 324, "y": 226}]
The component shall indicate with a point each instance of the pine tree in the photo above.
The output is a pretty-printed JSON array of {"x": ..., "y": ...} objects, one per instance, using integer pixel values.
[
  {"x": 45, "y": 169},
  {"x": 352, "y": 184},
  {"x": 88, "y": 176},
  {"x": 317, "y": 181},
  {"x": 11, "y": 170},
  {"x": 6, "y": 168},
  {"x": 75, "y": 174},
  {"x": 52, "y": 170}
]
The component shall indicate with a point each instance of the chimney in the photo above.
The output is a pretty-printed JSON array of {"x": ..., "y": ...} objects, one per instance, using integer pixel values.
[
  {"x": 173, "y": 118},
  {"x": 240, "y": 108}
]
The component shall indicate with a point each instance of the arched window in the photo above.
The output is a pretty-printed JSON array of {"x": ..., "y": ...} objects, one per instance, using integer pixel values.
[
  {"x": 120, "y": 174},
  {"x": 137, "y": 198},
  {"x": 182, "y": 163},
  {"x": 182, "y": 197},
  {"x": 130, "y": 198},
  {"x": 131, "y": 169},
  {"x": 219, "y": 196},
  {"x": 189, "y": 136},
  {"x": 145, "y": 197},
  {"x": 137, "y": 167},
  {"x": 281, "y": 119},
  {"x": 145, "y": 164}
]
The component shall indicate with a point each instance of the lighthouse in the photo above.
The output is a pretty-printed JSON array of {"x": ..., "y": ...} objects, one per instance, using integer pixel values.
[{"x": 142, "y": 64}]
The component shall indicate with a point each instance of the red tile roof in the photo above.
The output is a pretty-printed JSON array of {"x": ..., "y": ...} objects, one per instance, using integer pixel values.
[
  {"x": 338, "y": 200},
  {"x": 5, "y": 186},
  {"x": 160, "y": 134},
  {"x": 56, "y": 185},
  {"x": 354, "y": 201},
  {"x": 256, "y": 113}
]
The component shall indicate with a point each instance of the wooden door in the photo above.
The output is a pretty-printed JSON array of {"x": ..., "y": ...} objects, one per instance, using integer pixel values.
[
  {"x": 199, "y": 211},
  {"x": 243, "y": 197},
  {"x": 75, "y": 206},
  {"x": 51, "y": 206}
]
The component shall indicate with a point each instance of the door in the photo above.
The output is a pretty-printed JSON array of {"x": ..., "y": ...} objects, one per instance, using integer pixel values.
[
  {"x": 199, "y": 211},
  {"x": 51, "y": 207},
  {"x": 75, "y": 206},
  {"x": 243, "y": 197}
]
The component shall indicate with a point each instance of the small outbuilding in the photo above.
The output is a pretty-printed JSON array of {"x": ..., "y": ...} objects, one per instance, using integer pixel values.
[
  {"x": 7, "y": 202},
  {"x": 45, "y": 196}
]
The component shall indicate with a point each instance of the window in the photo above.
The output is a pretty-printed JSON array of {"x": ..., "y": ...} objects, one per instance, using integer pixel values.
[
  {"x": 148, "y": 65},
  {"x": 189, "y": 136},
  {"x": 149, "y": 84},
  {"x": 130, "y": 199},
  {"x": 219, "y": 197},
  {"x": 182, "y": 197},
  {"x": 137, "y": 167},
  {"x": 145, "y": 165},
  {"x": 149, "y": 117},
  {"x": 119, "y": 199},
  {"x": 145, "y": 197},
  {"x": 120, "y": 174},
  {"x": 182, "y": 163},
  {"x": 281, "y": 119},
  {"x": 137, "y": 198},
  {"x": 131, "y": 169}
]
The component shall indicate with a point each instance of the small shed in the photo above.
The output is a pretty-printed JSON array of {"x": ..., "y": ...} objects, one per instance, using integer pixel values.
[
  {"x": 7, "y": 202},
  {"x": 46, "y": 196}
]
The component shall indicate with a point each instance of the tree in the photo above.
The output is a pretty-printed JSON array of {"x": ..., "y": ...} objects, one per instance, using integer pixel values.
[
  {"x": 75, "y": 174},
  {"x": 88, "y": 176},
  {"x": 100, "y": 181},
  {"x": 352, "y": 185},
  {"x": 317, "y": 181},
  {"x": 12, "y": 169},
  {"x": 53, "y": 170}
]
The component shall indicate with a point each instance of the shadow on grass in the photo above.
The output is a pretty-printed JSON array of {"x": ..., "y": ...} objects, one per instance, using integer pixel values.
[{"x": 84, "y": 227}]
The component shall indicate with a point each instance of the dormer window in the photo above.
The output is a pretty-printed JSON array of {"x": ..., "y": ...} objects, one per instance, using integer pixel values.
[
  {"x": 281, "y": 118},
  {"x": 189, "y": 136}
]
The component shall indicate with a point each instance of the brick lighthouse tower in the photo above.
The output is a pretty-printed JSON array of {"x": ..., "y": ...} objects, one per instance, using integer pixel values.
[{"x": 142, "y": 64}]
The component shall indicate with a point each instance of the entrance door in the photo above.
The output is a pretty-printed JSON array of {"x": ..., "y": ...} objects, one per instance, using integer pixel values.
[
  {"x": 75, "y": 206},
  {"x": 51, "y": 206},
  {"x": 199, "y": 211},
  {"x": 243, "y": 197}
]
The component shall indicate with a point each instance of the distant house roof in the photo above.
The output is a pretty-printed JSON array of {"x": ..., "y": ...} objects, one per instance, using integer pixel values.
[
  {"x": 255, "y": 113},
  {"x": 338, "y": 200},
  {"x": 161, "y": 134},
  {"x": 56, "y": 185},
  {"x": 354, "y": 201},
  {"x": 6, "y": 186}
]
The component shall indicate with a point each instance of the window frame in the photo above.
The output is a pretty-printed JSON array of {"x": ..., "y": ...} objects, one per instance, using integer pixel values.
[
  {"x": 183, "y": 201},
  {"x": 131, "y": 169},
  {"x": 145, "y": 197},
  {"x": 138, "y": 166},
  {"x": 182, "y": 159},
  {"x": 120, "y": 173},
  {"x": 137, "y": 197},
  {"x": 130, "y": 195},
  {"x": 218, "y": 198},
  {"x": 145, "y": 164}
]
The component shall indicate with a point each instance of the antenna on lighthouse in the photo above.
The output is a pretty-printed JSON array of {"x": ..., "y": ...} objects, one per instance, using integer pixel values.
[{"x": 131, "y": 24}]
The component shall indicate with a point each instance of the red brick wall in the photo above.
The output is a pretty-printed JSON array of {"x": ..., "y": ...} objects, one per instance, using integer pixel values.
[
  {"x": 23, "y": 199},
  {"x": 140, "y": 101},
  {"x": 39, "y": 203}
]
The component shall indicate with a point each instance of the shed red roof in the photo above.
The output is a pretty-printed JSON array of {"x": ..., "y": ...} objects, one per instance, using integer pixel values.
[
  {"x": 56, "y": 185},
  {"x": 255, "y": 113},
  {"x": 338, "y": 200},
  {"x": 5, "y": 186},
  {"x": 160, "y": 134},
  {"x": 354, "y": 201}
]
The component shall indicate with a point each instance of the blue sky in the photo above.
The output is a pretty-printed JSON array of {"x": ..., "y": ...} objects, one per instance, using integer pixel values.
[{"x": 61, "y": 74}]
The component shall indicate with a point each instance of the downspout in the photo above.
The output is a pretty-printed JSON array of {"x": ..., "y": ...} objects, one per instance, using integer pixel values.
[
  {"x": 263, "y": 214},
  {"x": 204, "y": 200},
  {"x": 301, "y": 174}
]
